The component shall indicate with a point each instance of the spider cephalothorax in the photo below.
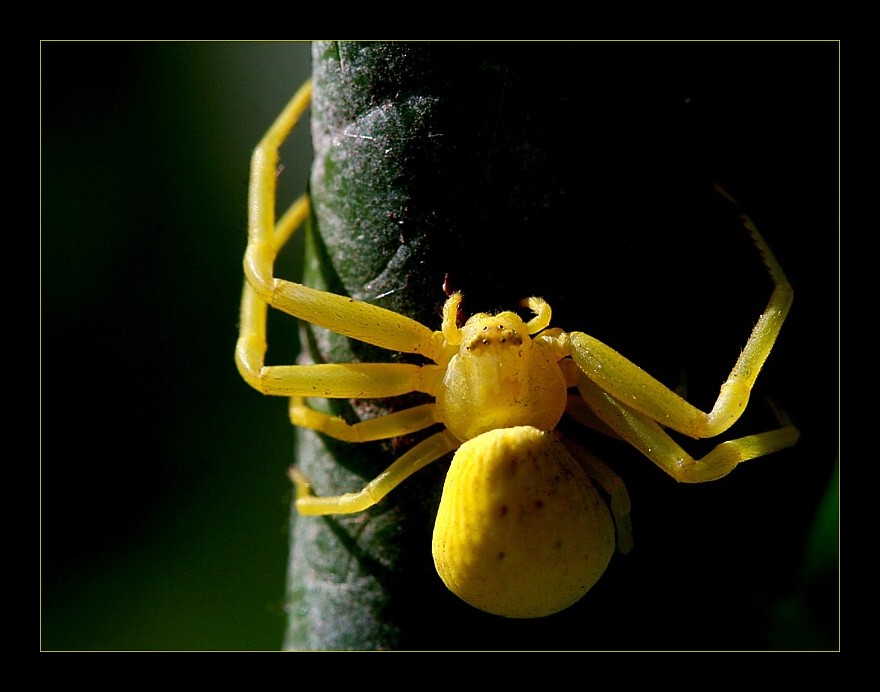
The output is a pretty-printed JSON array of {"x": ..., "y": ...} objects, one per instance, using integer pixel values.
[{"x": 500, "y": 376}]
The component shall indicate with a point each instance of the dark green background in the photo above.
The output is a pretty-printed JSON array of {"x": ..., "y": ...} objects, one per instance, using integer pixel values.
[
  {"x": 163, "y": 488},
  {"x": 164, "y": 498}
]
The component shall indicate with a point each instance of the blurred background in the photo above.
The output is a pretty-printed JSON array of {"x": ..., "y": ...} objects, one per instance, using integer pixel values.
[{"x": 164, "y": 498}]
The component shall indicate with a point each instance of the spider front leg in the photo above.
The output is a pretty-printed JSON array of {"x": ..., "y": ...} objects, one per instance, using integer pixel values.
[
  {"x": 355, "y": 319},
  {"x": 632, "y": 386}
]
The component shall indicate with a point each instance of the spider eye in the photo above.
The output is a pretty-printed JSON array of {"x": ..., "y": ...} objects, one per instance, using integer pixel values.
[
  {"x": 498, "y": 334},
  {"x": 482, "y": 331}
]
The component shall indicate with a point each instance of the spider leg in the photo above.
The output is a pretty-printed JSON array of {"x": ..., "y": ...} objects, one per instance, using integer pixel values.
[
  {"x": 577, "y": 408},
  {"x": 612, "y": 484},
  {"x": 418, "y": 457},
  {"x": 379, "y": 428},
  {"x": 654, "y": 442},
  {"x": 333, "y": 380},
  {"x": 355, "y": 319},
  {"x": 630, "y": 384}
]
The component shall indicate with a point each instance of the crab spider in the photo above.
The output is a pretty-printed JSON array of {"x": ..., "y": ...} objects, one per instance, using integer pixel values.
[{"x": 522, "y": 530}]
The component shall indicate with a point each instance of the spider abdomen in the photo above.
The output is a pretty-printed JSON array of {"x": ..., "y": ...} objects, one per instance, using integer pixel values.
[{"x": 520, "y": 532}]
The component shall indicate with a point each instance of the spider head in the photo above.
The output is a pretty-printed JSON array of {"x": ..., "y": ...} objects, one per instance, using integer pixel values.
[{"x": 484, "y": 333}]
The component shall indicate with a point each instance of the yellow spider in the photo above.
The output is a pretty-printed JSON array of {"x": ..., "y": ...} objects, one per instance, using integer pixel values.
[{"x": 521, "y": 530}]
